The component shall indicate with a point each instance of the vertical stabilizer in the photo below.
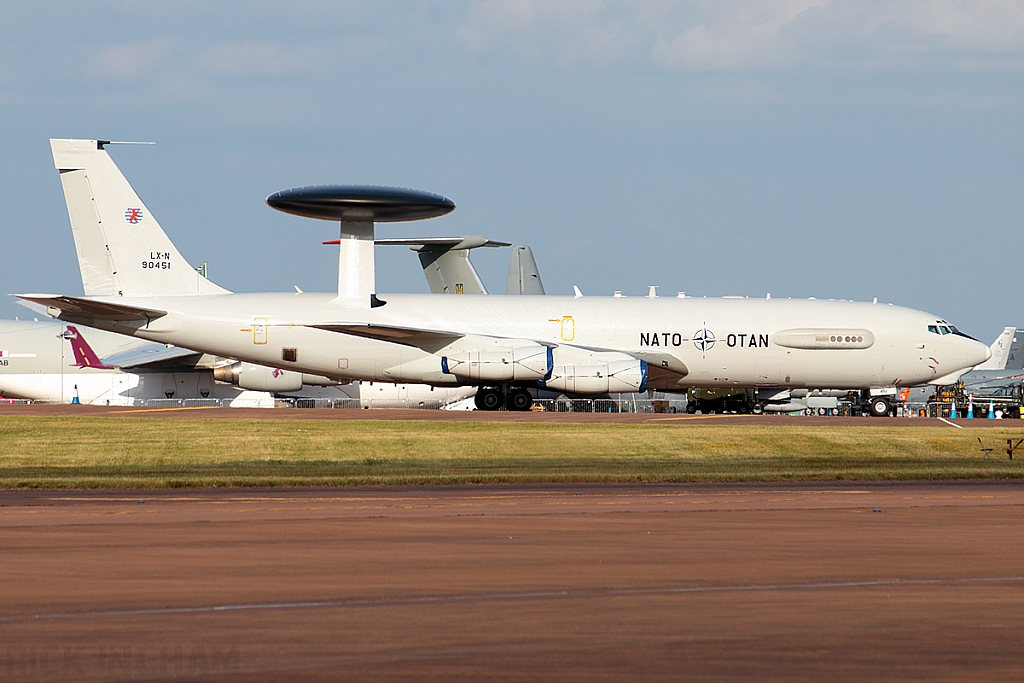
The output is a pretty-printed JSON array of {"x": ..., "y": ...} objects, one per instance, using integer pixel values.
[
  {"x": 1000, "y": 351},
  {"x": 122, "y": 250},
  {"x": 523, "y": 274},
  {"x": 85, "y": 357},
  {"x": 1015, "y": 358},
  {"x": 446, "y": 263},
  {"x": 449, "y": 271}
]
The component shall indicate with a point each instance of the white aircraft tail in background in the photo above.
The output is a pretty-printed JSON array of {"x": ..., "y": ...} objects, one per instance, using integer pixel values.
[
  {"x": 122, "y": 250},
  {"x": 523, "y": 274}
]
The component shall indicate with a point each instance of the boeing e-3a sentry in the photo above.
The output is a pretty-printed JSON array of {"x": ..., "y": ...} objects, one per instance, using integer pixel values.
[{"x": 138, "y": 284}]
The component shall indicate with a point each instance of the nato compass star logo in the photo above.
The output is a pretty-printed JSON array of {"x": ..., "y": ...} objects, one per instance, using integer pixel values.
[{"x": 704, "y": 340}]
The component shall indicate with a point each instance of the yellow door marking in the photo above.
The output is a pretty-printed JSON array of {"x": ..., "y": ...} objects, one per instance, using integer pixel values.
[
  {"x": 568, "y": 328},
  {"x": 259, "y": 330}
]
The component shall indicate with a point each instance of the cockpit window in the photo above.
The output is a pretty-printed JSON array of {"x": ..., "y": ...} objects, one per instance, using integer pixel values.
[{"x": 942, "y": 327}]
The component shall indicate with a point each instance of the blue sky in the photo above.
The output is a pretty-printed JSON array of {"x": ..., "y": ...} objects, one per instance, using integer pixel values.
[{"x": 803, "y": 148}]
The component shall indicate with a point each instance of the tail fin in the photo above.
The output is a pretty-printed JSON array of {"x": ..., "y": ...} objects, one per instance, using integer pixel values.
[
  {"x": 1000, "y": 351},
  {"x": 523, "y": 275},
  {"x": 85, "y": 357},
  {"x": 122, "y": 251},
  {"x": 1015, "y": 358},
  {"x": 445, "y": 261}
]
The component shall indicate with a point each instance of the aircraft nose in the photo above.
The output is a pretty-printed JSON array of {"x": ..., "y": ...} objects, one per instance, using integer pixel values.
[{"x": 977, "y": 353}]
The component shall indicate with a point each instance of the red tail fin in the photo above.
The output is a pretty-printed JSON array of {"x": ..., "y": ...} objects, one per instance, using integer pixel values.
[{"x": 85, "y": 357}]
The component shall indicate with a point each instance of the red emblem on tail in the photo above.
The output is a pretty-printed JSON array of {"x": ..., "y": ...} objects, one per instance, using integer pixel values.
[{"x": 133, "y": 216}]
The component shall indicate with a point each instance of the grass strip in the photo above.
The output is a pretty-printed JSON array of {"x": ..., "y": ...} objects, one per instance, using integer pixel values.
[{"x": 103, "y": 452}]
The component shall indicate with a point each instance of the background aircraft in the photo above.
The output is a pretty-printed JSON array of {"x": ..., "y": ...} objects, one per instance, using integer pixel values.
[{"x": 53, "y": 362}]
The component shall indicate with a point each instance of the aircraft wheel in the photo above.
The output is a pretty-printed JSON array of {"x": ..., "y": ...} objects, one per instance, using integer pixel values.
[
  {"x": 757, "y": 409},
  {"x": 518, "y": 399},
  {"x": 488, "y": 398},
  {"x": 821, "y": 412},
  {"x": 880, "y": 407}
]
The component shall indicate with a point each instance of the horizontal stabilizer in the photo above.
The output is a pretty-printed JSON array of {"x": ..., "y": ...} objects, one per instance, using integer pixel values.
[
  {"x": 463, "y": 242},
  {"x": 149, "y": 354},
  {"x": 76, "y": 308}
]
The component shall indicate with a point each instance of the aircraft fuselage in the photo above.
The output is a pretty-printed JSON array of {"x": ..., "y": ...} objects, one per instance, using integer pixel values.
[{"x": 722, "y": 342}]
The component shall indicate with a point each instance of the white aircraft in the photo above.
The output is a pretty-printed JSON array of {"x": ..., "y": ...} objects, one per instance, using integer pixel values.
[
  {"x": 53, "y": 362},
  {"x": 138, "y": 284}
]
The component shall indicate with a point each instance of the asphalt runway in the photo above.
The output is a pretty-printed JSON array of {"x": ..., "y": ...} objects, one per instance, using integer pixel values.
[
  {"x": 65, "y": 410},
  {"x": 807, "y": 582}
]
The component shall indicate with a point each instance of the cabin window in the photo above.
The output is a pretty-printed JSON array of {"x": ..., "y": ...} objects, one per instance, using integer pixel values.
[
  {"x": 933, "y": 329},
  {"x": 290, "y": 355},
  {"x": 944, "y": 330}
]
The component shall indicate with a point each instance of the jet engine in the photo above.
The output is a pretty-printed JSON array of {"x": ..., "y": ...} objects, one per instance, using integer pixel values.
[
  {"x": 627, "y": 375},
  {"x": 262, "y": 378},
  {"x": 521, "y": 363}
]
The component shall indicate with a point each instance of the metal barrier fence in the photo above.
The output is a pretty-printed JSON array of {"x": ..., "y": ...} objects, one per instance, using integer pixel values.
[
  {"x": 574, "y": 405},
  {"x": 206, "y": 403},
  {"x": 564, "y": 405},
  {"x": 366, "y": 404},
  {"x": 610, "y": 405}
]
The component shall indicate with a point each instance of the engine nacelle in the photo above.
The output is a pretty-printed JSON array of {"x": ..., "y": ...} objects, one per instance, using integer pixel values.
[
  {"x": 521, "y": 363},
  {"x": 623, "y": 376},
  {"x": 258, "y": 377},
  {"x": 318, "y": 381}
]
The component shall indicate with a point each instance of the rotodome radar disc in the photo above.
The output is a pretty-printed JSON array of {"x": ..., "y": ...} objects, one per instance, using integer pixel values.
[{"x": 360, "y": 203}]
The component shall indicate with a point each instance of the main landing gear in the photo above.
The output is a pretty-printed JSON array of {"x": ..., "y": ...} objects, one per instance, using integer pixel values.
[
  {"x": 880, "y": 407},
  {"x": 509, "y": 397}
]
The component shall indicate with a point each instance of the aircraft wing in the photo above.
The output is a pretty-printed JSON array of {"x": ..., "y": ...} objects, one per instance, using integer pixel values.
[
  {"x": 148, "y": 355},
  {"x": 662, "y": 366},
  {"x": 77, "y": 308},
  {"x": 662, "y": 363},
  {"x": 409, "y": 336}
]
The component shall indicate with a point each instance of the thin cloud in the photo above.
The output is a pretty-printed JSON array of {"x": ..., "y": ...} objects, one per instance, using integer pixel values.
[
  {"x": 266, "y": 58},
  {"x": 128, "y": 62},
  {"x": 747, "y": 35}
]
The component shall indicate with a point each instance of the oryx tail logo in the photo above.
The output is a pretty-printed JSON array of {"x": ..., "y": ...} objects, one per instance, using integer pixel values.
[
  {"x": 133, "y": 215},
  {"x": 704, "y": 339}
]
